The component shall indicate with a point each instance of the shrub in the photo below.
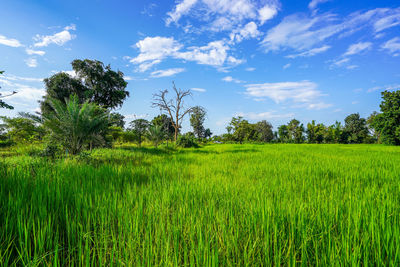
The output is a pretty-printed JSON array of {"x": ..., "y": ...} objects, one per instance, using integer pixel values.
[{"x": 186, "y": 141}]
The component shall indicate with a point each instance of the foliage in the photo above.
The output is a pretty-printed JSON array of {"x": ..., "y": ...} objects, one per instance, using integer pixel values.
[
  {"x": 296, "y": 131},
  {"x": 197, "y": 117},
  {"x": 23, "y": 130},
  {"x": 76, "y": 126},
  {"x": 139, "y": 128},
  {"x": 2, "y": 103},
  {"x": 387, "y": 123},
  {"x": 117, "y": 120},
  {"x": 283, "y": 133},
  {"x": 264, "y": 131},
  {"x": 166, "y": 125},
  {"x": 155, "y": 134},
  {"x": 94, "y": 83},
  {"x": 355, "y": 129},
  {"x": 187, "y": 140}
]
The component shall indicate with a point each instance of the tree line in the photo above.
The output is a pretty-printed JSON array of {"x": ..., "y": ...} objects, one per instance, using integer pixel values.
[{"x": 78, "y": 113}]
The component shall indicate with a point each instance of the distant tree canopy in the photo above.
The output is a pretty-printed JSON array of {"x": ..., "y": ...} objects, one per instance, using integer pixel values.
[
  {"x": 166, "y": 125},
  {"x": 94, "y": 83},
  {"x": 197, "y": 118},
  {"x": 139, "y": 128},
  {"x": 355, "y": 129},
  {"x": 2, "y": 103},
  {"x": 387, "y": 123}
]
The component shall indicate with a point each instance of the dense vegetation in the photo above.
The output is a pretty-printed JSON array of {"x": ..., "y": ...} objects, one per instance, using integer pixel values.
[{"x": 257, "y": 205}]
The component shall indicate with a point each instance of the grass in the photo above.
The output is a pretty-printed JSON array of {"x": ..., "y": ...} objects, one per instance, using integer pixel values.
[{"x": 244, "y": 205}]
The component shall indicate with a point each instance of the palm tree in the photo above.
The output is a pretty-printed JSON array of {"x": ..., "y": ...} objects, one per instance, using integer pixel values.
[
  {"x": 74, "y": 125},
  {"x": 155, "y": 134}
]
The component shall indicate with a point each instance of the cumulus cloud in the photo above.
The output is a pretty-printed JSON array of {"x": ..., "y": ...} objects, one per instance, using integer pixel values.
[
  {"x": 26, "y": 94},
  {"x": 392, "y": 46},
  {"x": 9, "y": 41},
  {"x": 31, "y": 62},
  {"x": 250, "y": 30},
  {"x": 358, "y": 48},
  {"x": 230, "y": 79},
  {"x": 152, "y": 50},
  {"x": 35, "y": 52},
  {"x": 266, "y": 13},
  {"x": 303, "y": 92},
  {"x": 59, "y": 38},
  {"x": 167, "y": 72}
]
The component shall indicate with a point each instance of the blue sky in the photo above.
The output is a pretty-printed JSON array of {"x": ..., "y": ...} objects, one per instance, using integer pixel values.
[{"x": 273, "y": 60}]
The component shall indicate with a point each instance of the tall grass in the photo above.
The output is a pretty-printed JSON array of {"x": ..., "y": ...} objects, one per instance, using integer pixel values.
[{"x": 324, "y": 205}]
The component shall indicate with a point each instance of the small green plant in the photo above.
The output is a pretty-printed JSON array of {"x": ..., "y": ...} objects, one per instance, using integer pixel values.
[{"x": 187, "y": 140}]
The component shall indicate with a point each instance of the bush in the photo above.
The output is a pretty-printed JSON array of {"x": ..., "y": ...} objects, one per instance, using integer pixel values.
[
  {"x": 52, "y": 151},
  {"x": 6, "y": 143},
  {"x": 186, "y": 141}
]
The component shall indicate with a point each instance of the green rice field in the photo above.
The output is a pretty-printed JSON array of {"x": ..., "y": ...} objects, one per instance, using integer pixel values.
[{"x": 225, "y": 205}]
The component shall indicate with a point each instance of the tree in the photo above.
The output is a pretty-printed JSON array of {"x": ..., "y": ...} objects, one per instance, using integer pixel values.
[
  {"x": 22, "y": 129},
  {"x": 296, "y": 131},
  {"x": 355, "y": 128},
  {"x": 175, "y": 108},
  {"x": 74, "y": 125},
  {"x": 166, "y": 125},
  {"x": 2, "y": 103},
  {"x": 139, "y": 128},
  {"x": 197, "y": 117},
  {"x": 207, "y": 133},
  {"x": 244, "y": 131},
  {"x": 375, "y": 123},
  {"x": 94, "y": 83},
  {"x": 117, "y": 120},
  {"x": 155, "y": 134},
  {"x": 387, "y": 123},
  {"x": 315, "y": 133},
  {"x": 283, "y": 133},
  {"x": 264, "y": 131}
]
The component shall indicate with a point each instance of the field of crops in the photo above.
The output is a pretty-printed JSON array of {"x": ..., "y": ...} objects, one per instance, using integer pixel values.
[{"x": 218, "y": 205}]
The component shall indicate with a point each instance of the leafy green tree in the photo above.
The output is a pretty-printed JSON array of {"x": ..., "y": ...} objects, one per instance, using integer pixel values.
[
  {"x": 139, "y": 128},
  {"x": 296, "y": 131},
  {"x": 117, "y": 120},
  {"x": 355, "y": 129},
  {"x": 387, "y": 123},
  {"x": 244, "y": 131},
  {"x": 264, "y": 131},
  {"x": 166, "y": 125},
  {"x": 94, "y": 83},
  {"x": 2, "y": 103},
  {"x": 197, "y": 118},
  {"x": 23, "y": 130},
  {"x": 315, "y": 132},
  {"x": 283, "y": 133},
  {"x": 76, "y": 126},
  {"x": 207, "y": 133},
  {"x": 155, "y": 134}
]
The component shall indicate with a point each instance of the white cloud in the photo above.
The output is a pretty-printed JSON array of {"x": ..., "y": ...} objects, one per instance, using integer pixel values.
[
  {"x": 231, "y": 79},
  {"x": 352, "y": 67},
  {"x": 248, "y": 31},
  {"x": 9, "y": 42},
  {"x": 59, "y": 38},
  {"x": 267, "y": 13},
  {"x": 300, "y": 32},
  {"x": 250, "y": 69},
  {"x": 391, "y": 20},
  {"x": 128, "y": 78},
  {"x": 299, "y": 92},
  {"x": 286, "y": 66},
  {"x": 340, "y": 62},
  {"x": 311, "y": 52},
  {"x": 314, "y": 3},
  {"x": 201, "y": 90},
  {"x": 25, "y": 94},
  {"x": 135, "y": 116},
  {"x": 222, "y": 15},
  {"x": 269, "y": 115},
  {"x": 35, "y": 52},
  {"x": 166, "y": 73},
  {"x": 358, "y": 48},
  {"x": 393, "y": 46},
  {"x": 318, "y": 106},
  {"x": 154, "y": 49},
  {"x": 383, "y": 88},
  {"x": 14, "y": 78},
  {"x": 31, "y": 62},
  {"x": 181, "y": 9}
]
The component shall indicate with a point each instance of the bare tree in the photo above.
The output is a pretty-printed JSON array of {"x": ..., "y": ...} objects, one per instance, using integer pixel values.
[{"x": 174, "y": 107}]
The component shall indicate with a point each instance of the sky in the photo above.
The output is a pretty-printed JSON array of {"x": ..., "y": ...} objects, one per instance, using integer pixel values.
[{"x": 264, "y": 60}]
